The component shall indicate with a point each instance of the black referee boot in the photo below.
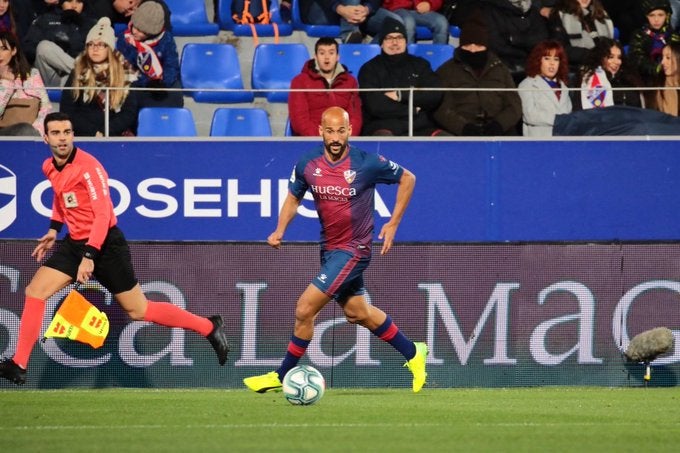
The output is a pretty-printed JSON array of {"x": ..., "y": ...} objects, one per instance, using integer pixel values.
[
  {"x": 12, "y": 372},
  {"x": 218, "y": 339}
]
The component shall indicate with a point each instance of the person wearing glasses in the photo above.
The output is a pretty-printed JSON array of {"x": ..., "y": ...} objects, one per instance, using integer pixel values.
[
  {"x": 390, "y": 112},
  {"x": 88, "y": 101}
]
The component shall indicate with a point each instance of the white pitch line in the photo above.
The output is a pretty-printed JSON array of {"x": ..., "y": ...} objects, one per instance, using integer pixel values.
[{"x": 319, "y": 425}]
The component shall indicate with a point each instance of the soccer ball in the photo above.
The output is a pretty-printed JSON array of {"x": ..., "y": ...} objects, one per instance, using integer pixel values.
[{"x": 303, "y": 385}]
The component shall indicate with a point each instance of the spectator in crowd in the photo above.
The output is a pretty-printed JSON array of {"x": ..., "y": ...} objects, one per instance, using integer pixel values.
[
  {"x": 604, "y": 75},
  {"x": 120, "y": 11},
  {"x": 152, "y": 49},
  {"x": 675, "y": 17},
  {"x": 98, "y": 67},
  {"x": 578, "y": 24},
  {"x": 479, "y": 111},
  {"x": 515, "y": 27},
  {"x": 648, "y": 42},
  {"x": 423, "y": 13},
  {"x": 55, "y": 38},
  {"x": 323, "y": 72},
  {"x": 21, "y": 90},
  {"x": 457, "y": 11},
  {"x": 666, "y": 99},
  {"x": 29, "y": 11},
  {"x": 545, "y": 7},
  {"x": 544, "y": 92},
  {"x": 388, "y": 112},
  {"x": 7, "y": 22},
  {"x": 356, "y": 17},
  {"x": 627, "y": 17}
]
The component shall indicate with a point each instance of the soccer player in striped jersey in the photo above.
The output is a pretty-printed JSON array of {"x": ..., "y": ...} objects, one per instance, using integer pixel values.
[
  {"x": 342, "y": 180},
  {"x": 95, "y": 246}
]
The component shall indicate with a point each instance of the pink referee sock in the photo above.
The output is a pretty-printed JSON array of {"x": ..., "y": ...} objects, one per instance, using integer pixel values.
[
  {"x": 169, "y": 315},
  {"x": 29, "y": 329}
]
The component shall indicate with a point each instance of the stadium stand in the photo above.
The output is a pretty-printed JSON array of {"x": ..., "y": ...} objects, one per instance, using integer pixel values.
[
  {"x": 224, "y": 73},
  {"x": 355, "y": 55},
  {"x": 166, "y": 122},
  {"x": 190, "y": 18},
  {"x": 315, "y": 31},
  {"x": 274, "y": 66},
  {"x": 226, "y": 22},
  {"x": 436, "y": 54},
  {"x": 240, "y": 122}
]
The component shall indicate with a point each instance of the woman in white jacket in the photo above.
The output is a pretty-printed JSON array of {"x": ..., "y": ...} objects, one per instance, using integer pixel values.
[{"x": 544, "y": 91}]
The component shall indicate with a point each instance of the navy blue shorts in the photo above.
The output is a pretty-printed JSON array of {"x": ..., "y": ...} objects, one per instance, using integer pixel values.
[
  {"x": 112, "y": 267},
  {"x": 341, "y": 275}
]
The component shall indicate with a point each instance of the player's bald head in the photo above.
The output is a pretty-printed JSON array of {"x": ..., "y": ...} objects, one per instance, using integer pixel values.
[{"x": 335, "y": 116}]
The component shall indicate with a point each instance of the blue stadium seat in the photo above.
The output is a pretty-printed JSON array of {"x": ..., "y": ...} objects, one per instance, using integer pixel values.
[
  {"x": 54, "y": 95},
  {"x": 355, "y": 55},
  {"x": 436, "y": 54},
  {"x": 289, "y": 130},
  {"x": 166, "y": 122},
  {"x": 226, "y": 21},
  {"x": 274, "y": 66},
  {"x": 315, "y": 31},
  {"x": 237, "y": 122},
  {"x": 205, "y": 65},
  {"x": 190, "y": 18}
]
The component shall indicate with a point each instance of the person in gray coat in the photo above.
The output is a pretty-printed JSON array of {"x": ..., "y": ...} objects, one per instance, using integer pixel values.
[
  {"x": 477, "y": 111},
  {"x": 544, "y": 92}
]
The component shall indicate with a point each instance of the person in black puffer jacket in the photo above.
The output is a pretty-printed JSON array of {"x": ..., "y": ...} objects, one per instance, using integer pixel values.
[{"x": 387, "y": 113}]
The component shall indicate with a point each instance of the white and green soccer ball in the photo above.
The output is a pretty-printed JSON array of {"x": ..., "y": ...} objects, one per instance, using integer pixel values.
[{"x": 303, "y": 385}]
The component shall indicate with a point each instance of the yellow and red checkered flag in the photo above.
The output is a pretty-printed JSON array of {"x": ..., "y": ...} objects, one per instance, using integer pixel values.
[{"x": 77, "y": 319}]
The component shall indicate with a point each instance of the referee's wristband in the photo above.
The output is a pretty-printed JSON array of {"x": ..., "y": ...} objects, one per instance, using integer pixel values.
[
  {"x": 56, "y": 225},
  {"x": 90, "y": 252}
]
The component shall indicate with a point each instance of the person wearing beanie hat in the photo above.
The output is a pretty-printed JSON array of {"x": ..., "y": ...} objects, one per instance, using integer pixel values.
[
  {"x": 647, "y": 43},
  {"x": 149, "y": 18},
  {"x": 153, "y": 51},
  {"x": 473, "y": 66},
  {"x": 421, "y": 13},
  {"x": 98, "y": 67},
  {"x": 55, "y": 38},
  {"x": 388, "y": 112}
]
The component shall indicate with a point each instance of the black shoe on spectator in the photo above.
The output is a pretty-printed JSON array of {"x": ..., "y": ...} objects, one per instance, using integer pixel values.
[
  {"x": 285, "y": 12},
  {"x": 355, "y": 37}
]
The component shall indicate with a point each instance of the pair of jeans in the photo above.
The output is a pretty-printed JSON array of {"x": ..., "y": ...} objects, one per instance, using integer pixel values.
[
  {"x": 317, "y": 15},
  {"x": 434, "y": 21}
]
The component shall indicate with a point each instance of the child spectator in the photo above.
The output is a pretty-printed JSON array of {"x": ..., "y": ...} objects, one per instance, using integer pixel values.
[
  {"x": 20, "y": 85},
  {"x": 578, "y": 24},
  {"x": 7, "y": 22},
  {"x": 98, "y": 67},
  {"x": 152, "y": 49},
  {"x": 323, "y": 72},
  {"x": 604, "y": 73},
  {"x": 421, "y": 13},
  {"x": 55, "y": 38},
  {"x": 544, "y": 92},
  {"x": 648, "y": 42},
  {"x": 666, "y": 100}
]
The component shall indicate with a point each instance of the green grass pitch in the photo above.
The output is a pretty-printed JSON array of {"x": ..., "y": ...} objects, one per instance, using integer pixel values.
[{"x": 555, "y": 419}]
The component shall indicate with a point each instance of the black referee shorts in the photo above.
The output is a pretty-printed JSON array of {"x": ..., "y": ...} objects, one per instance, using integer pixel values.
[{"x": 112, "y": 267}]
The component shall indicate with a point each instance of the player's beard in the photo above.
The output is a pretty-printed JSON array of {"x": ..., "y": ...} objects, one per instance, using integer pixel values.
[{"x": 336, "y": 149}]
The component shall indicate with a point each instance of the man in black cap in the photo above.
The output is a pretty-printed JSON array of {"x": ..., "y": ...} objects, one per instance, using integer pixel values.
[
  {"x": 389, "y": 112},
  {"x": 478, "y": 112}
]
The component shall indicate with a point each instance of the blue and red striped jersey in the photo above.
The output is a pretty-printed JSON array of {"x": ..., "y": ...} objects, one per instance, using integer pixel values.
[{"x": 343, "y": 193}]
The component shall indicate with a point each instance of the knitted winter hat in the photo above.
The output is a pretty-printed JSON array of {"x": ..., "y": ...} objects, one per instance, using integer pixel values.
[
  {"x": 102, "y": 31},
  {"x": 474, "y": 30},
  {"x": 149, "y": 18},
  {"x": 650, "y": 5},
  {"x": 391, "y": 25}
]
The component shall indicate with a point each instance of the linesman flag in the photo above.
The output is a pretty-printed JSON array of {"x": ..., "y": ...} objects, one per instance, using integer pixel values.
[{"x": 77, "y": 319}]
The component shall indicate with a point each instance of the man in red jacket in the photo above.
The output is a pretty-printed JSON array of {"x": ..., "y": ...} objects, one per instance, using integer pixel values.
[
  {"x": 334, "y": 87},
  {"x": 95, "y": 246}
]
